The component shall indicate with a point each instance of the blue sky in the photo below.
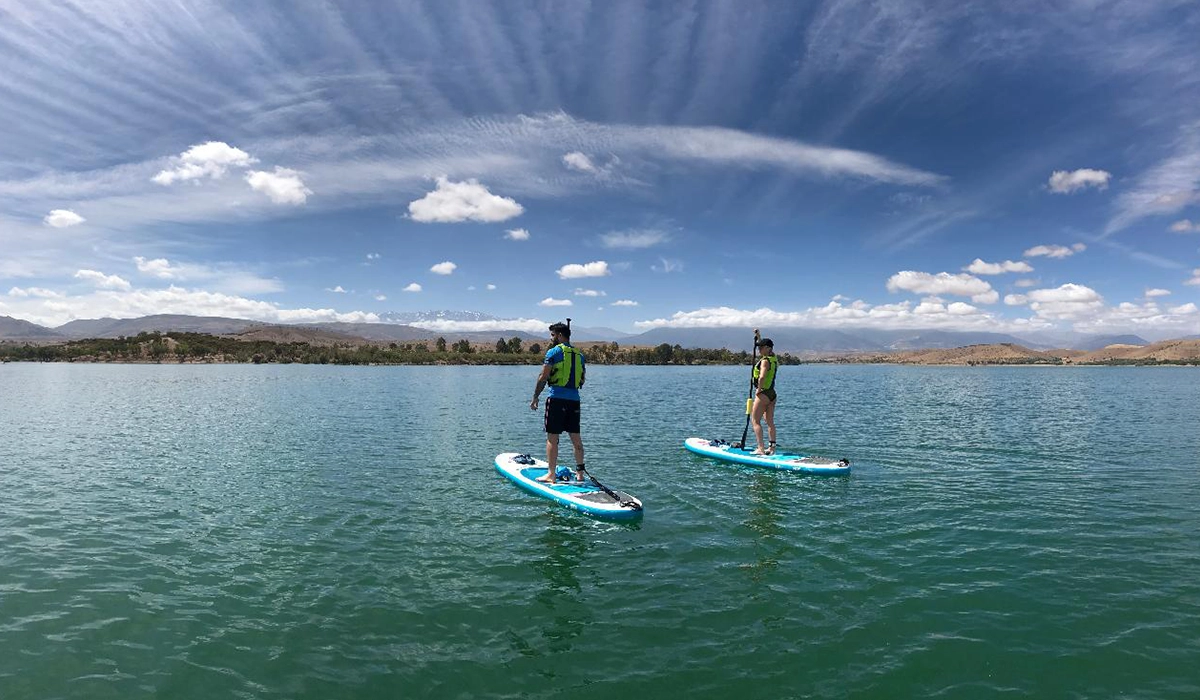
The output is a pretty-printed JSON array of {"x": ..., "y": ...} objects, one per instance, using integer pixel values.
[{"x": 961, "y": 166}]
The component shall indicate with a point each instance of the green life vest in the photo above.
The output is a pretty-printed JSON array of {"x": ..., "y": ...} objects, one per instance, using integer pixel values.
[
  {"x": 768, "y": 382},
  {"x": 569, "y": 372}
]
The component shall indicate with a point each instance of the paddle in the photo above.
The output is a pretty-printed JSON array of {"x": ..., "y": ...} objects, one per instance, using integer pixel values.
[
  {"x": 754, "y": 358},
  {"x": 624, "y": 503}
]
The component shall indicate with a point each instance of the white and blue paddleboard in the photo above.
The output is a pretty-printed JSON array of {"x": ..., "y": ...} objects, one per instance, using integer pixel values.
[
  {"x": 786, "y": 461},
  {"x": 585, "y": 497}
]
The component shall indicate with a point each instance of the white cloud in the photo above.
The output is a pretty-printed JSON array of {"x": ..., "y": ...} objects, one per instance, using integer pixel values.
[
  {"x": 551, "y": 301},
  {"x": 443, "y": 268},
  {"x": 414, "y": 287},
  {"x": 211, "y": 159},
  {"x": 1063, "y": 182},
  {"x": 102, "y": 280},
  {"x": 373, "y": 256},
  {"x": 36, "y": 292},
  {"x": 491, "y": 287},
  {"x": 624, "y": 302},
  {"x": 62, "y": 218},
  {"x": 580, "y": 292},
  {"x": 120, "y": 303},
  {"x": 1185, "y": 226},
  {"x": 930, "y": 313},
  {"x": 1054, "y": 251},
  {"x": 598, "y": 268},
  {"x": 336, "y": 290},
  {"x": 1151, "y": 293},
  {"x": 380, "y": 297},
  {"x": 1066, "y": 302},
  {"x": 284, "y": 186},
  {"x": 979, "y": 267},
  {"x": 1025, "y": 283},
  {"x": 1187, "y": 309},
  {"x": 454, "y": 202},
  {"x": 516, "y": 234},
  {"x": 1195, "y": 277},
  {"x": 634, "y": 239},
  {"x": 943, "y": 283},
  {"x": 578, "y": 161},
  {"x": 1016, "y": 299},
  {"x": 158, "y": 267}
]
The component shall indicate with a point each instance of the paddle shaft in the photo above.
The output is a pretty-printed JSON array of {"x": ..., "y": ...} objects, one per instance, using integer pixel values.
[
  {"x": 754, "y": 359},
  {"x": 610, "y": 492}
]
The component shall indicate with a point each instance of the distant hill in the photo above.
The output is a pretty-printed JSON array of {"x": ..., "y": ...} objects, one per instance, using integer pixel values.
[
  {"x": 161, "y": 323},
  {"x": 1167, "y": 350},
  {"x": 1002, "y": 353},
  {"x": 16, "y": 329}
]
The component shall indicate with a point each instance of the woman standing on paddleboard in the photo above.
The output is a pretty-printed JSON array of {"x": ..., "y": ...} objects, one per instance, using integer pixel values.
[{"x": 764, "y": 395}]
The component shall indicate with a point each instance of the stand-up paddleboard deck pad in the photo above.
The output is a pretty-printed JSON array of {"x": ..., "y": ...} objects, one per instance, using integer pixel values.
[
  {"x": 719, "y": 449},
  {"x": 584, "y": 496}
]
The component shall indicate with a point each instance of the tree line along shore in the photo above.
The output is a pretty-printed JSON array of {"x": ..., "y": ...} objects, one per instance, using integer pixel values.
[{"x": 205, "y": 348}]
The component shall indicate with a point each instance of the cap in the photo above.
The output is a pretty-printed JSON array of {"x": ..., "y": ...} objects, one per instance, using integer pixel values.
[{"x": 765, "y": 341}]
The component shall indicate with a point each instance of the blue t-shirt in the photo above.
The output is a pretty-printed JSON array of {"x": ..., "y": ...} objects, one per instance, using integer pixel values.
[{"x": 554, "y": 356}]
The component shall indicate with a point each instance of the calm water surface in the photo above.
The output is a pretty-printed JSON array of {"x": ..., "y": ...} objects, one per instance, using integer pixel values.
[{"x": 339, "y": 532}]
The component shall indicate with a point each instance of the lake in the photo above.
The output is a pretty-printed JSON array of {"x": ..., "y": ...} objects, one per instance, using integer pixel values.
[{"x": 263, "y": 531}]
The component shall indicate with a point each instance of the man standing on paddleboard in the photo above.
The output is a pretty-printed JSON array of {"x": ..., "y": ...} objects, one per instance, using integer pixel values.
[
  {"x": 764, "y": 395},
  {"x": 563, "y": 370}
]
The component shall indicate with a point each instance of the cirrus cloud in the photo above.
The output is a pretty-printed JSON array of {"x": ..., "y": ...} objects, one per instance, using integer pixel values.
[{"x": 1054, "y": 251}]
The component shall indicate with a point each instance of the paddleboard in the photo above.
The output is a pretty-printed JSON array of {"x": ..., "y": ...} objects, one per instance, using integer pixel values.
[
  {"x": 585, "y": 497},
  {"x": 809, "y": 464}
]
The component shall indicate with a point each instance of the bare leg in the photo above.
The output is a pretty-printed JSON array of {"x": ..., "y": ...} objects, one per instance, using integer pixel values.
[
  {"x": 551, "y": 458},
  {"x": 756, "y": 414},
  {"x": 577, "y": 443},
  {"x": 769, "y": 414}
]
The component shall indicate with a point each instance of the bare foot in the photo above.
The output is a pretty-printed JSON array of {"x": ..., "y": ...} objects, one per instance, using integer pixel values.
[{"x": 546, "y": 479}]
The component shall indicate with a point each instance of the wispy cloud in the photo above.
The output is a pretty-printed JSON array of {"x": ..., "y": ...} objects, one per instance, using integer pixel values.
[
  {"x": 551, "y": 301},
  {"x": 1165, "y": 188},
  {"x": 634, "y": 239},
  {"x": 516, "y": 234},
  {"x": 1054, "y": 251}
]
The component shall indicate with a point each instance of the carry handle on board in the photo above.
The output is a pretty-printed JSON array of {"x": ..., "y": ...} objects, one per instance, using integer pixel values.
[{"x": 750, "y": 399}]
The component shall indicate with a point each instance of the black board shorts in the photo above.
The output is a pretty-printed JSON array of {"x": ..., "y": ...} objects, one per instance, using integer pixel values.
[{"x": 562, "y": 416}]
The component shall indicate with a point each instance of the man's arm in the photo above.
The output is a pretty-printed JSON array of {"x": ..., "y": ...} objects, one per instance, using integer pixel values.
[{"x": 541, "y": 384}]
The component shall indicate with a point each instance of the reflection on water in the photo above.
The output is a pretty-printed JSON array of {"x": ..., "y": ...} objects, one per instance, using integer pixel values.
[{"x": 763, "y": 519}]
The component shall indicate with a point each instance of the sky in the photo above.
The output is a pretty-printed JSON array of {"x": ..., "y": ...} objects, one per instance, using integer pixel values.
[{"x": 967, "y": 165}]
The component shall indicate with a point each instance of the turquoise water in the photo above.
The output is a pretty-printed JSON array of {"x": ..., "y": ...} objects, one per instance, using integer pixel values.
[{"x": 339, "y": 532}]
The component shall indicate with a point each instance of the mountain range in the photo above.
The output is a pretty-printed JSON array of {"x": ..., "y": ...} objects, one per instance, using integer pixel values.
[{"x": 796, "y": 341}]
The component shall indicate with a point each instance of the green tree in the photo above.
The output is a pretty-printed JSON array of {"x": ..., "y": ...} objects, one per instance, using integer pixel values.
[
  {"x": 441, "y": 344},
  {"x": 514, "y": 345},
  {"x": 501, "y": 346}
]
